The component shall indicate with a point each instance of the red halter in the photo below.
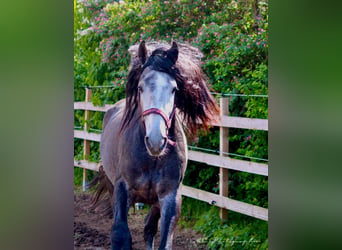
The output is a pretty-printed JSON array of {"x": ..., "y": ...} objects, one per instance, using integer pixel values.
[{"x": 168, "y": 120}]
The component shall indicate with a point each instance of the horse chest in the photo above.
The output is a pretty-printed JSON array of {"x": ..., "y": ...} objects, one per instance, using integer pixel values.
[{"x": 144, "y": 188}]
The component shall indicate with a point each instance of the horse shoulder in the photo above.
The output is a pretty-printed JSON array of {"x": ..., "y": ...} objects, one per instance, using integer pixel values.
[{"x": 108, "y": 150}]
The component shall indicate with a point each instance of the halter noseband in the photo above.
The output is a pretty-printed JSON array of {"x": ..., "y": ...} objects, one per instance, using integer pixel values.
[
  {"x": 168, "y": 120},
  {"x": 162, "y": 114}
]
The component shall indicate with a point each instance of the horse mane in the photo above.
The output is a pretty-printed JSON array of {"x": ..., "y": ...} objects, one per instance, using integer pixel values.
[{"x": 193, "y": 99}]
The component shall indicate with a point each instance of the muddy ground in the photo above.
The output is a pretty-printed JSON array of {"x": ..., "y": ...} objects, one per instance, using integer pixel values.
[{"x": 92, "y": 229}]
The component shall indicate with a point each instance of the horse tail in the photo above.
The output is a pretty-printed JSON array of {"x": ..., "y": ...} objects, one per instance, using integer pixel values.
[{"x": 102, "y": 199}]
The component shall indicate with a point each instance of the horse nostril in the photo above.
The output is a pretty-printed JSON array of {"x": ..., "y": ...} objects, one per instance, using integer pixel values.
[
  {"x": 155, "y": 146},
  {"x": 164, "y": 141},
  {"x": 147, "y": 140}
]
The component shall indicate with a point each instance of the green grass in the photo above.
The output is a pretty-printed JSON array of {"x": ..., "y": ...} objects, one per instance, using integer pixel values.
[{"x": 239, "y": 232}]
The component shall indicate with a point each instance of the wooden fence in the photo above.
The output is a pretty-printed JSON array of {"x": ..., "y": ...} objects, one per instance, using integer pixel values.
[{"x": 221, "y": 161}]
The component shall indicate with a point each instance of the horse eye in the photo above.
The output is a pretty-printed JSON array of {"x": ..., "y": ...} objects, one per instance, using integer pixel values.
[
  {"x": 140, "y": 89},
  {"x": 174, "y": 89}
]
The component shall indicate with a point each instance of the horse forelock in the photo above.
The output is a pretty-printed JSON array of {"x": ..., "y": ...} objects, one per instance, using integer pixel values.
[{"x": 193, "y": 98}]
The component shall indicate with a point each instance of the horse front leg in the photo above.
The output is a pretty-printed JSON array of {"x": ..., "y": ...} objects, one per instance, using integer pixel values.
[
  {"x": 120, "y": 236},
  {"x": 170, "y": 212}
]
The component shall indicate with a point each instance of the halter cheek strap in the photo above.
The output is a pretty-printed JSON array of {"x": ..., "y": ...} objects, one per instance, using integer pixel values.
[{"x": 168, "y": 120}]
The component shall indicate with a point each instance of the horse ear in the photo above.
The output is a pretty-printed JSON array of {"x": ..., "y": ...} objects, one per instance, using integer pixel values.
[
  {"x": 142, "y": 52},
  {"x": 172, "y": 53}
]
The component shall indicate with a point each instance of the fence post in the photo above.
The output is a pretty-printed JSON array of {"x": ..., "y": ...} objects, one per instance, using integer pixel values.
[
  {"x": 224, "y": 146},
  {"x": 86, "y": 144}
]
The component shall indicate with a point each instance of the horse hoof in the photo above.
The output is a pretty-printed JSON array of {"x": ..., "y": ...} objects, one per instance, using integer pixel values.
[{"x": 121, "y": 237}]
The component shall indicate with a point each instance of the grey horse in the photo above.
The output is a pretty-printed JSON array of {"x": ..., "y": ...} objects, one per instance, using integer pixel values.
[{"x": 143, "y": 143}]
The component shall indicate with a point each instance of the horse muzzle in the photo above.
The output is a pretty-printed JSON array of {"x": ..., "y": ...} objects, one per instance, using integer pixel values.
[
  {"x": 155, "y": 144},
  {"x": 156, "y": 141}
]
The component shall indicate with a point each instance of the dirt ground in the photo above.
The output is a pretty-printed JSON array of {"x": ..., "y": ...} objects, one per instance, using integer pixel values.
[{"x": 92, "y": 229}]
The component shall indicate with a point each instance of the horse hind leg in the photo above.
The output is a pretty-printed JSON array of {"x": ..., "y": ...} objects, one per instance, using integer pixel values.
[
  {"x": 120, "y": 235},
  {"x": 151, "y": 226}
]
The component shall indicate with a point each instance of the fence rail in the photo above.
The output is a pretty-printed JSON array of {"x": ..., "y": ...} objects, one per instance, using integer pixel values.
[
  {"x": 225, "y": 121},
  {"x": 210, "y": 159},
  {"x": 223, "y": 162},
  {"x": 227, "y": 203}
]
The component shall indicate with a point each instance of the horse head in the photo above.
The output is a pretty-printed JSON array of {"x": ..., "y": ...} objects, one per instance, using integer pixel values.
[
  {"x": 160, "y": 81},
  {"x": 156, "y": 96}
]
